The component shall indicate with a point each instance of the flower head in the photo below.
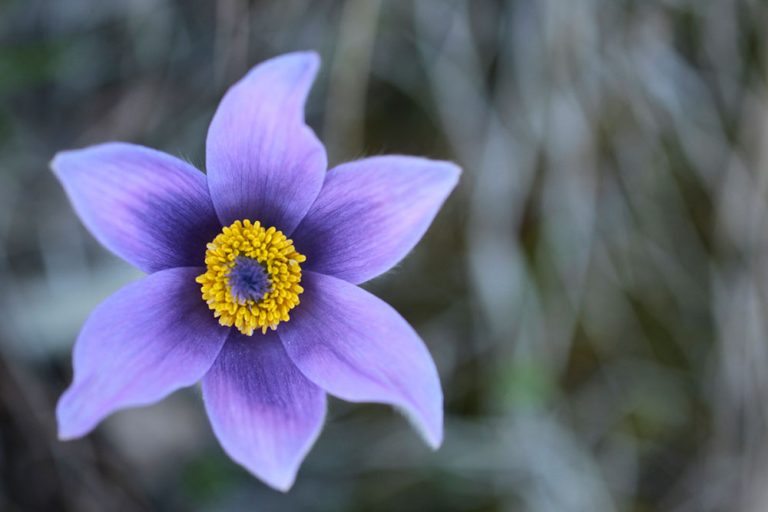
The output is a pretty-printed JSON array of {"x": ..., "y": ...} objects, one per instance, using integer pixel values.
[{"x": 252, "y": 277}]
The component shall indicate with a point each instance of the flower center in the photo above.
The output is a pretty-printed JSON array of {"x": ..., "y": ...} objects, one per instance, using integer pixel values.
[
  {"x": 252, "y": 277},
  {"x": 248, "y": 280}
]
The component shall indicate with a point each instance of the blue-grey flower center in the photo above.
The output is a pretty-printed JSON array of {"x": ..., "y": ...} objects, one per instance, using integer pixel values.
[{"x": 248, "y": 279}]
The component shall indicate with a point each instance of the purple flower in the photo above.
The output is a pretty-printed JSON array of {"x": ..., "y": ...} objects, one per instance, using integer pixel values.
[{"x": 253, "y": 273}]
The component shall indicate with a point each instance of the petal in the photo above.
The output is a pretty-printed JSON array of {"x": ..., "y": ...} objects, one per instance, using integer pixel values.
[
  {"x": 358, "y": 348},
  {"x": 149, "y": 339},
  {"x": 149, "y": 208},
  {"x": 371, "y": 213},
  {"x": 264, "y": 163},
  {"x": 265, "y": 413}
]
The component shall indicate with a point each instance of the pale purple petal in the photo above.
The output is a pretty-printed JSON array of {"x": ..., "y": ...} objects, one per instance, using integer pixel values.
[
  {"x": 265, "y": 413},
  {"x": 149, "y": 208},
  {"x": 149, "y": 339},
  {"x": 358, "y": 348},
  {"x": 263, "y": 162},
  {"x": 371, "y": 213}
]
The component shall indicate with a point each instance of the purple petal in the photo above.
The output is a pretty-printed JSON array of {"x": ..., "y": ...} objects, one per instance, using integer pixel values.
[
  {"x": 265, "y": 413},
  {"x": 371, "y": 213},
  {"x": 264, "y": 163},
  {"x": 149, "y": 208},
  {"x": 149, "y": 339},
  {"x": 358, "y": 348}
]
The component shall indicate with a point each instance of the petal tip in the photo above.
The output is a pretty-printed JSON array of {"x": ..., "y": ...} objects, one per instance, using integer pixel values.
[
  {"x": 309, "y": 58},
  {"x": 64, "y": 436},
  {"x": 280, "y": 478},
  {"x": 453, "y": 173},
  {"x": 454, "y": 169},
  {"x": 55, "y": 162},
  {"x": 450, "y": 170},
  {"x": 59, "y": 161},
  {"x": 282, "y": 483},
  {"x": 64, "y": 157},
  {"x": 432, "y": 433},
  {"x": 282, "y": 475},
  {"x": 429, "y": 429},
  {"x": 295, "y": 64},
  {"x": 434, "y": 440},
  {"x": 68, "y": 428}
]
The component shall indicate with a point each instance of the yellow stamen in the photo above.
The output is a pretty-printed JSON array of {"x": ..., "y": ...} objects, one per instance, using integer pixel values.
[{"x": 276, "y": 254}]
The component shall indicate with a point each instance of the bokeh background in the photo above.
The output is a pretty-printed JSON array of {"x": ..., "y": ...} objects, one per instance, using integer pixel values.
[{"x": 594, "y": 292}]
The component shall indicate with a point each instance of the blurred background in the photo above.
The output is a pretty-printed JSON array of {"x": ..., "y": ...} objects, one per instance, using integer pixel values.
[{"x": 594, "y": 293}]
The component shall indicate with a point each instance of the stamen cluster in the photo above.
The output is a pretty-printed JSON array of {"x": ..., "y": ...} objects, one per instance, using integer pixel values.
[{"x": 280, "y": 261}]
